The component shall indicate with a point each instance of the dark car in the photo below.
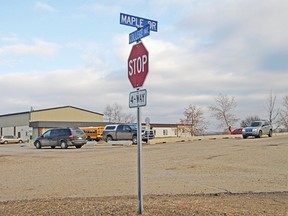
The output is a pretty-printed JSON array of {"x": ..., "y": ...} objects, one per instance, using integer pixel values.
[{"x": 62, "y": 137}]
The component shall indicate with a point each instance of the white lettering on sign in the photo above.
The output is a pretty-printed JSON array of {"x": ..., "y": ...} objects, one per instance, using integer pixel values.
[
  {"x": 137, "y": 65},
  {"x": 138, "y": 98},
  {"x": 140, "y": 33},
  {"x": 129, "y": 20},
  {"x": 153, "y": 25}
]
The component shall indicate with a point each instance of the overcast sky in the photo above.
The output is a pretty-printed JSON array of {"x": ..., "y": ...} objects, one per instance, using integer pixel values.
[{"x": 57, "y": 53}]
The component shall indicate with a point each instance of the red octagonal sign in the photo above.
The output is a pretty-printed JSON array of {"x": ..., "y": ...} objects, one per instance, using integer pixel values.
[{"x": 138, "y": 65}]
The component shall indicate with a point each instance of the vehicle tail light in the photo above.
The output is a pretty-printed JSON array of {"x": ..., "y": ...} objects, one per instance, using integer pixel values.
[{"x": 71, "y": 137}]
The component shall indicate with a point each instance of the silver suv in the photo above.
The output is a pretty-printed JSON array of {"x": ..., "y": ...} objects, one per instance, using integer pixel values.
[{"x": 257, "y": 129}]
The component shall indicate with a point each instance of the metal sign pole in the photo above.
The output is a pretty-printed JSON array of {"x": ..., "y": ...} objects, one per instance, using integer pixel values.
[
  {"x": 139, "y": 148},
  {"x": 138, "y": 58}
]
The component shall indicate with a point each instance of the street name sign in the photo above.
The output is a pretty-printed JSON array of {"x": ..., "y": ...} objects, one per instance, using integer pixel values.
[
  {"x": 138, "y": 22},
  {"x": 138, "y": 65},
  {"x": 138, "y": 98},
  {"x": 138, "y": 34}
]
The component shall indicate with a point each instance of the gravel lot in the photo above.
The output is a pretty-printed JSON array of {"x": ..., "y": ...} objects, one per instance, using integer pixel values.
[{"x": 212, "y": 177}]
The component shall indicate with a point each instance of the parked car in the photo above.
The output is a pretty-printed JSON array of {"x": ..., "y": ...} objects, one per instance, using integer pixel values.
[
  {"x": 257, "y": 129},
  {"x": 62, "y": 137},
  {"x": 237, "y": 131},
  {"x": 125, "y": 132},
  {"x": 10, "y": 139}
]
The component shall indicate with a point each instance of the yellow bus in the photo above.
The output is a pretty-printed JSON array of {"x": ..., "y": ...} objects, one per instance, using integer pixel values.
[{"x": 93, "y": 133}]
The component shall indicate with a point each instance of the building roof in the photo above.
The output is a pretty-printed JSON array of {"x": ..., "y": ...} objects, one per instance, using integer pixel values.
[{"x": 54, "y": 108}]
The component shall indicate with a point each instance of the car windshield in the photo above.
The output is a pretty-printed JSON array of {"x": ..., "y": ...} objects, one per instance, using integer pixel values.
[
  {"x": 133, "y": 126},
  {"x": 110, "y": 127},
  {"x": 255, "y": 124}
]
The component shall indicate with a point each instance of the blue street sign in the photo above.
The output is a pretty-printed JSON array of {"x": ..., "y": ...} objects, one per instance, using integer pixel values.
[
  {"x": 138, "y": 34},
  {"x": 138, "y": 22}
]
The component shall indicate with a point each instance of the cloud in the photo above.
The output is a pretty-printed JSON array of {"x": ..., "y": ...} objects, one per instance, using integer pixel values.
[
  {"x": 39, "y": 48},
  {"x": 86, "y": 87},
  {"x": 41, "y": 6},
  {"x": 229, "y": 36},
  {"x": 12, "y": 38}
]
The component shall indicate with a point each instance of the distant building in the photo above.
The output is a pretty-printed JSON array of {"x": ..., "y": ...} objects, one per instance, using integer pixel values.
[
  {"x": 164, "y": 130},
  {"x": 170, "y": 130},
  {"x": 31, "y": 124}
]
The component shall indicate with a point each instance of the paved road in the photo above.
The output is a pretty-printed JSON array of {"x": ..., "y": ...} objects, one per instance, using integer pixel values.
[{"x": 210, "y": 166}]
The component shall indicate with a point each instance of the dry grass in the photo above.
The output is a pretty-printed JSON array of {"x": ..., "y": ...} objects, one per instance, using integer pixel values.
[{"x": 213, "y": 204}]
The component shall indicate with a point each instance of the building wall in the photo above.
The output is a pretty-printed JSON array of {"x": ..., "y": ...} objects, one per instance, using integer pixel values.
[
  {"x": 165, "y": 131},
  {"x": 7, "y": 131},
  {"x": 24, "y": 132},
  {"x": 67, "y": 114},
  {"x": 14, "y": 120},
  {"x": 16, "y": 125}
]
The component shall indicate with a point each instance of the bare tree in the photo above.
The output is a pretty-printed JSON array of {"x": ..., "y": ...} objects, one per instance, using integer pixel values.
[
  {"x": 224, "y": 109},
  {"x": 270, "y": 107},
  {"x": 248, "y": 120},
  {"x": 283, "y": 119},
  {"x": 128, "y": 118},
  {"x": 114, "y": 114},
  {"x": 194, "y": 122}
]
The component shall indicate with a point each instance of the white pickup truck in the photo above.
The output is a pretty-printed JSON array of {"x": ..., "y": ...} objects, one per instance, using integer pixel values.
[{"x": 125, "y": 132}]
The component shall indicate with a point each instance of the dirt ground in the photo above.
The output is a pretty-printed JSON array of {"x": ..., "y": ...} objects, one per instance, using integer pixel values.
[
  {"x": 213, "y": 204},
  {"x": 212, "y": 177}
]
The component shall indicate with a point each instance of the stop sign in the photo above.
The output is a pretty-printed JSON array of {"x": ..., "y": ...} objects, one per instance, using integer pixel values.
[{"x": 138, "y": 65}]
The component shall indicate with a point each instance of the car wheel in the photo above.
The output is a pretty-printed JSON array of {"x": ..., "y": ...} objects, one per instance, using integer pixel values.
[
  {"x": 259, "y": 134},
  {"x": 20, "y": 141},
  {"x": 134, "y": 140},
  {"x": 244, "y": 137},
  {"x": 109, "y": 138},
  {"x": 38, "y": 145},
  {"x": 270, "y": 133},
  {"x": 63, "y": 145},
  {"x": 78, "y": 146},
  {"x": 53, "y": 147},
  {"x": 5, "y": 142}
]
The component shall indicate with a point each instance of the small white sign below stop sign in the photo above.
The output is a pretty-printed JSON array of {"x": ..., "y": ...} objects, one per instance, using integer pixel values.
[{"x": 138, "y": 65}]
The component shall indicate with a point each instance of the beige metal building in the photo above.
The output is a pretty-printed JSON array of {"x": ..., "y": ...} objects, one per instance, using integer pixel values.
[{"x": 31, "y": 124}]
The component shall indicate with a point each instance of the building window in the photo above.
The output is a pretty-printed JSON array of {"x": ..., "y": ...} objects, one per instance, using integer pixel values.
[
  {"x": 165, "y": 132},
  {"x": 154, "y": 132}
]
